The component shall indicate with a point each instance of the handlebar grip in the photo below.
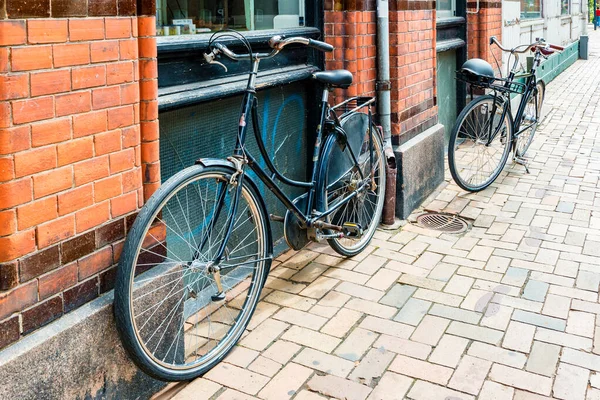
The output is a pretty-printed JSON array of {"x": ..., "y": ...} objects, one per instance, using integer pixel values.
[
  {"x": 556, "y": 47},
  {"x": 322, "y": 46}
]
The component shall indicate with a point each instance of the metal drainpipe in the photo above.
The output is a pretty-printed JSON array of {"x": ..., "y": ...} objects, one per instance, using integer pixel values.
[{"x": 383, "y": 87}]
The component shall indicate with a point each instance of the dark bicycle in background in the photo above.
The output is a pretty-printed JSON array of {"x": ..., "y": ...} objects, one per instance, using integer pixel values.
[
  {"x": 197, "y": 257},
  {"x": 487, "y": 130}
]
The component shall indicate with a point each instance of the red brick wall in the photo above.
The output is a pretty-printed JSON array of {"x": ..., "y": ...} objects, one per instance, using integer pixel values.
[
  {"x": 353, "y": 30},
  {"x": 76, "y": 145},
  {"x": 480, "y": 27}
]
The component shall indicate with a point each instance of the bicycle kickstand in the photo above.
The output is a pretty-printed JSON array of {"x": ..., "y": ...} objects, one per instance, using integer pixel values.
[{"x": 523, "y": 162}]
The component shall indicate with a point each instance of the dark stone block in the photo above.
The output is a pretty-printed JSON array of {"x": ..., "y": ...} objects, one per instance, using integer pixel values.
[
  {"x": 9, "y": 275},
  {"x": 110, "y": 233},
  {"x": 107, "y": 280},
  {"x": 69, "y": 8},
  {"x": 81, "y": 294},
  {"x": 42, "y": 314},
  {"x": 9, "y": 331},
  {"x": 127, "y": 8},
  {"x": 146, "y": 7},
  {"x": 27, "y": 8},
  {"x": 2, "y": 9},
  {"x": 129, "y": 220},
  {"x": 102, "y": 8},
  {"x": 78, "y": 247},
  {"x": 39, "y": 263},
  {"x": 420, "y": 169},
  {"x": 151, "y": 258}
]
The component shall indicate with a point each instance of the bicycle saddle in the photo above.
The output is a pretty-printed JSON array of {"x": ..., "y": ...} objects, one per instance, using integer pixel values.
[
  {"x": 339, "y": 78},
  {"x": 479, "y": 67}
]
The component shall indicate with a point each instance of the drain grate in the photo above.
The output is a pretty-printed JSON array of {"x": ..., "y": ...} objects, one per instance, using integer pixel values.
[{"x": 447, "y": 223}]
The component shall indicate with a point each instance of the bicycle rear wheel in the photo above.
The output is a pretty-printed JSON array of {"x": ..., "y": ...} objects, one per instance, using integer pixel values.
[
  {"x": 365, "y": 209},
  {"x": 474, "y": 163},
  {"x": 173, "y": 321},
  {"x": 531, "y": 116}
]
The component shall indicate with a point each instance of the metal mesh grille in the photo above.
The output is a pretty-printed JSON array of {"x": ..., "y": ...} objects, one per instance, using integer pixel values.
[
  {"x": 442, "y": 222},
  {"x": 210, "y": 129}
]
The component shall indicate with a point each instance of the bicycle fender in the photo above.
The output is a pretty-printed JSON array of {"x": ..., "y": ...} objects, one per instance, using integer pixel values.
[{"x": 219, "y": 162}]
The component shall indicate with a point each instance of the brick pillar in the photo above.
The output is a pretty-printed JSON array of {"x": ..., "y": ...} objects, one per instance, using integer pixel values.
[
  {"x": 352, "y": 30},
  {"x": 70, "y": 152},
  {"x": 481, "y": 26},
  {"x": 413, "y": 66}
]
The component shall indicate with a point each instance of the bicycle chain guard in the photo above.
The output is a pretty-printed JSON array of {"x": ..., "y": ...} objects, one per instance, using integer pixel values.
[{"x": 295, "y": 236}]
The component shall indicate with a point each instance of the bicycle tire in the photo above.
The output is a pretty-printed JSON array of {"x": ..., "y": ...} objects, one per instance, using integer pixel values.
[
  {"x": 329, "y": 154},
  {"x": 187, "y": 363},
  {"x": 470, "y": 112},
  {"x": 522, "y": 144}
]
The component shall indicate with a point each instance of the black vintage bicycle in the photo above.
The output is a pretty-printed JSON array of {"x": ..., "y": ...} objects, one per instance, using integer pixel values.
[
  {"x": 197, "y": 257},
  {"x": 486, "y": 130}
]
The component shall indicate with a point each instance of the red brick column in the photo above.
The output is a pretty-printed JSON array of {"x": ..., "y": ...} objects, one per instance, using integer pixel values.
[
  {"x": 71, "y": 156},
  {"x": 487, "y": 22}
]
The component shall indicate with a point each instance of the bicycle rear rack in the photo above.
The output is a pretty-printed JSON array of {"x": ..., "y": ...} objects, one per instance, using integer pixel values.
[{"x": 352, "y": 105}]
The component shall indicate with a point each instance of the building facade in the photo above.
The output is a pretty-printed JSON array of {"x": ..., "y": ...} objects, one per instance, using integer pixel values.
[{"x": 102, "y": 100}]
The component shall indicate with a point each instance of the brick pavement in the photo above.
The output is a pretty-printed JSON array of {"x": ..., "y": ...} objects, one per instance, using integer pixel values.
[{"x": 508, "y": 310}]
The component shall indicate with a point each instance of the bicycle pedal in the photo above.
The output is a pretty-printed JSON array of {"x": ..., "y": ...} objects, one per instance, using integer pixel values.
[
  {"x": 523, "y": 162},
  {"x": 352, "y": 230}
]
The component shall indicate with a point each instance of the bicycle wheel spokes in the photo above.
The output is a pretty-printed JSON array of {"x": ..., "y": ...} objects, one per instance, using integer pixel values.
[
  {"x": 481, "y": 145},
  {"x": 530, "y": 120},
  {"x": 180, "y": 316}
]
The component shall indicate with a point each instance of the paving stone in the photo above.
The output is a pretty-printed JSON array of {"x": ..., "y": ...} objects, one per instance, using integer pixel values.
[
  {"x": 571, "y": 382},
  {"x": 566, "y": 268},
  {"x": 573, "y": 293},
  {"x": 552, "y": 278},
  {"x": 301, "y": 259},
  {"x": 496, "y": 316},
  {"x": 398, "y": 295},
  {"x": 442, "y": 272},
  {"x": 324, "y": 362},
  {"x": 319, "y": 287},
  {"x": 306, "y": 395},
  {"x": 391, "y": 386},
  {"x": 403, "y": 346},
  {"x": 495, "y": 391},
  {"x": 356, "y": 344},
  {"x": 581, "y": 359},
  {"x": 231, "y": 394},
  {"x": 387, "y": 327},
  {"x": 479, "y": 333},
  {"x": 422, "y": 390},
  {"x": 543, "y": 358},
  {"x": 370, "y": 264},
  {"x": 557, "y": 306},
  {"x": 477, "y": 300},
  {"x": 309, "y": 273},
  {"x": 518, "y": 337},
  {"x": 261, "y": 313},
  {"x": 581, "y": 323},
  {"x": 497, "y": 264},
  {"x": 237, "y": 378},
  {"x": 521, "y": 379},
  {"x": 563, "y": 339},
  {"x": 497, "y": 355},
  {"x": 428, "y": 260},
  {"x": 264, "y": 334},
  {"x": 522, "y": 304},
  {"x": 383, "y": 279},
  {"x": 515, "y": 276},
  {"x": 198, "y": 389},
  {"x": 359, "y": 291},
  {"x": 322, "y": 311},
  {"x": 339, "y": 388},
  {"x": 413, "y": 311},
  {"x": 454, "y": 313},
  {"x": 430, "y": 330},
  {"x": 334, "y": 299},
  {"x": 421, "y": 369},
  {"x": 265, "y": 366},
  {"x": 300, "y": 318},
  {"x": 414, "y": 248},
  {"x": 479, "y": 274},
  {"x": 285, "y": 384},
  {"x": 371, "y": 308},
  {"x": 421, "y": 282},
  {"x": 281, "y": 351},
  {"x": 535, "y": 290},
  {"x": 459, "y": 285},
  {"x": 588, "y": 281},
  {"x": 438, "y": 297},
  {"x": 539, "y": 320},
  {"x": 241, "y": 356},
  {"x": 290, "y": 300},
  {"x": 284, "y": 285},
  {"x": 372, "y": 366},
  {"x": 496, "y": 287},
  {"x": 470, "y": 374},
  {"x": 449, "y": 351},
  {"x": 310, "y": 338},
  {"x": 339, "y": 325}
]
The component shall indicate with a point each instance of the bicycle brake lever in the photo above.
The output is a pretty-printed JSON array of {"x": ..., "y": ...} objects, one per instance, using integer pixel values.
[{"x": 210, "y": 59}]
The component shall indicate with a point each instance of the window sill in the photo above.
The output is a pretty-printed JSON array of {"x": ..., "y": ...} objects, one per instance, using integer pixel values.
[{"x": 532, "y": 21}]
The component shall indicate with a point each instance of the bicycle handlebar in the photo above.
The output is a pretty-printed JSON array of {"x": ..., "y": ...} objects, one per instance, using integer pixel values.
[{"x": 539, "y": 42}]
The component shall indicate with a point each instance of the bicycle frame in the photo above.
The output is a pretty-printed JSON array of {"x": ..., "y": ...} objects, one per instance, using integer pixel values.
[{"x": 241, "y": 157}]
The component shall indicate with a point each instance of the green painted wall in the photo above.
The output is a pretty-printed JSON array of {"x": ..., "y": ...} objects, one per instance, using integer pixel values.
[
  {"x": 558, "y": 62},
  {"x": 446, "y": 90}
]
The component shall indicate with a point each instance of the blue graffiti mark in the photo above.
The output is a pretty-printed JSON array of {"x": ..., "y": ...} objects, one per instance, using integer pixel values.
[{"x": 290, "y": 99}]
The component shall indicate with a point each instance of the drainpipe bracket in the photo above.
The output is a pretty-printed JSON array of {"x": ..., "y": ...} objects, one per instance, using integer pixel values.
[{"x": 384, "y": 86}]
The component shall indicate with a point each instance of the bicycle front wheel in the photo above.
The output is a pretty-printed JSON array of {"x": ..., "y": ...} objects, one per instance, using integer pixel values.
[
  {"x": 172, "y": 318},
  {"x": 340, "y": 179},
  {"x": 532, "y": 116},
  {"x": 475, "y": 158}
]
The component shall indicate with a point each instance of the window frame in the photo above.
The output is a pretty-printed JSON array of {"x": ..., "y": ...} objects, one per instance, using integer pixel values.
[
  {"x": 441, "y": 14},
  {"x": 540, "y": 13},
  {"x": 568, "y": 9}
]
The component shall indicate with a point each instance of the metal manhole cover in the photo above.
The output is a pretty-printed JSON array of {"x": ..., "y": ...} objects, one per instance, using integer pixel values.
[{"x": 442, "y": 222}]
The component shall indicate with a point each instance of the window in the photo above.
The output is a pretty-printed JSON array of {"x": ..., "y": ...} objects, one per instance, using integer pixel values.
[
  {"x": 531, "y": 8},
  {"x": 564, "y": 7},
  {"x": 445, "y": 8},
  {"x": 188, "y": 17}
]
